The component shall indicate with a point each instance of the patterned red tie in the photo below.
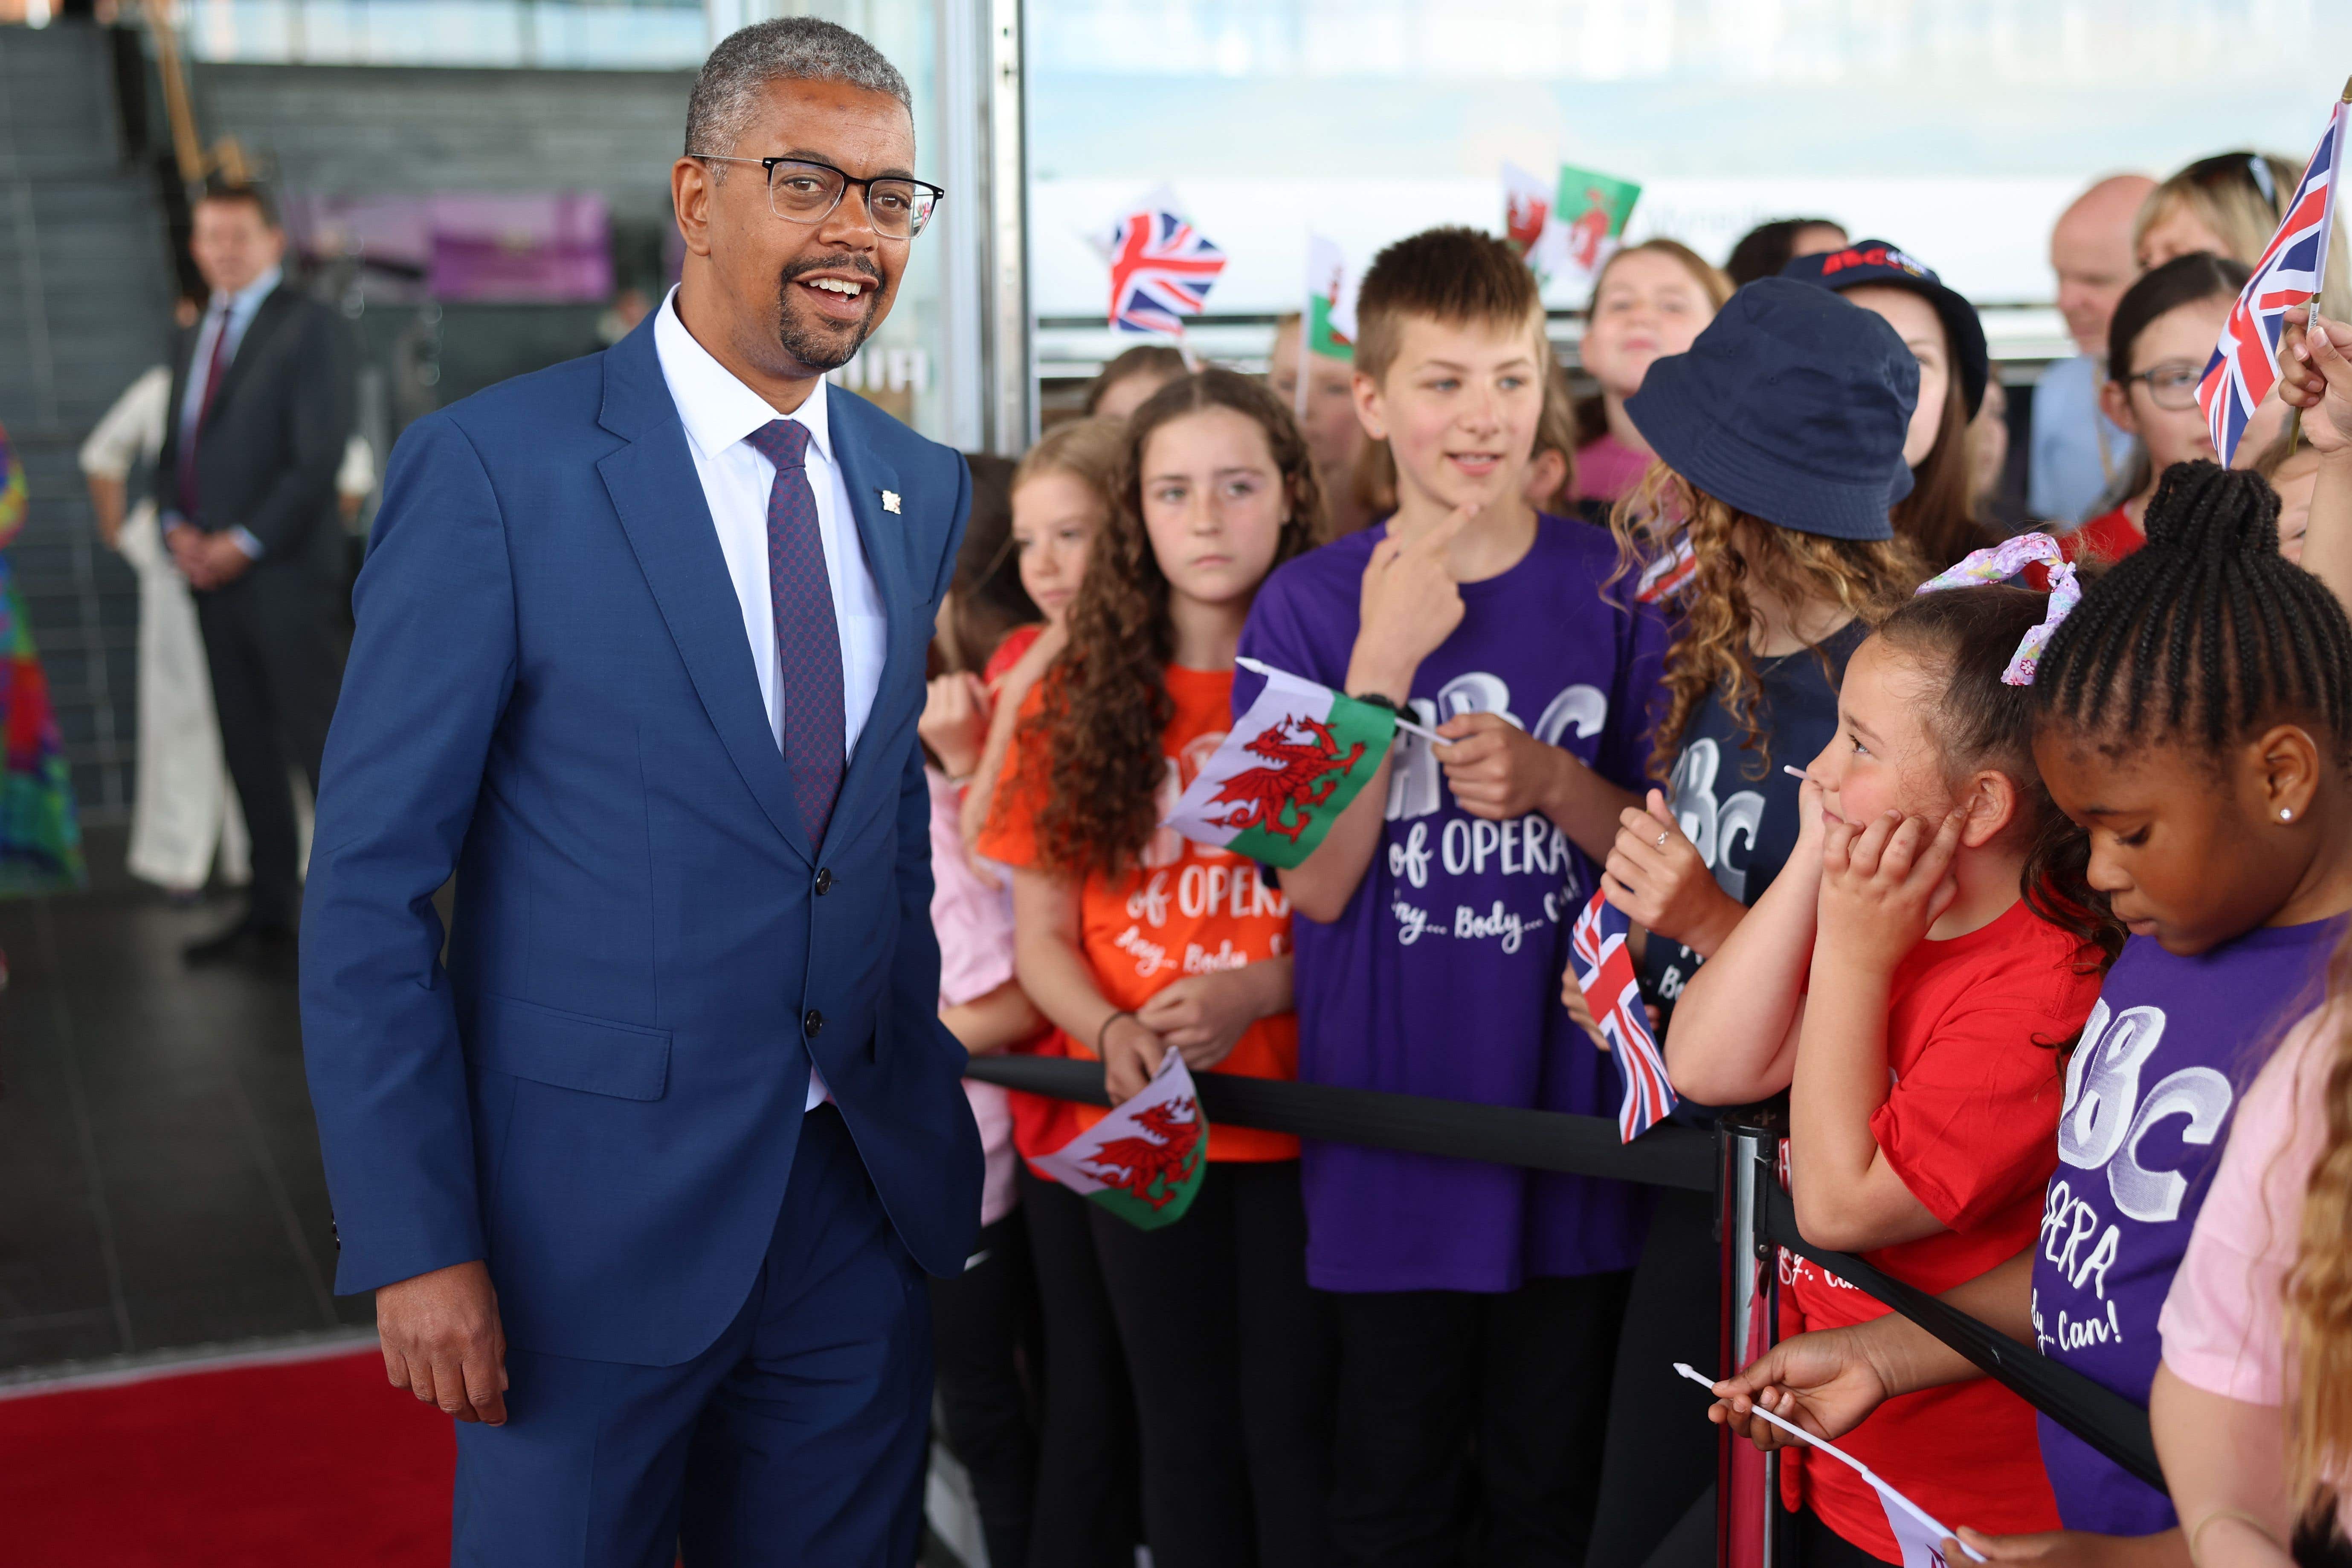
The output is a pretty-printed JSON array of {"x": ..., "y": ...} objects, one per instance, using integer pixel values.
[
  {"x": 808, "y": 638},
  {"x": 218, "y": 363}
]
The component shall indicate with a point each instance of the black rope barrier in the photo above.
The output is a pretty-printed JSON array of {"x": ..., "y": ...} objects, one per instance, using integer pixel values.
[
  {"x": 2092, "y": 1411},
  {"x": 1668, "y": 1155}
]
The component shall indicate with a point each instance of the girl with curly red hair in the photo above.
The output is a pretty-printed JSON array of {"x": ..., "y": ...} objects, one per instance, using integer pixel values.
[{"x": 1135, "y": 941}]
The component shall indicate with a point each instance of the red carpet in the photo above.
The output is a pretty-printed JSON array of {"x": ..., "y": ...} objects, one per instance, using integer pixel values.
[{"x": 287, "y": 1464}]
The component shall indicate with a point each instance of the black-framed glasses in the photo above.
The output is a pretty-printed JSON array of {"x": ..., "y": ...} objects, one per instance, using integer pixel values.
[
  {"x": 2171, "y": 384},
  {"x": 801, "y": 190}
]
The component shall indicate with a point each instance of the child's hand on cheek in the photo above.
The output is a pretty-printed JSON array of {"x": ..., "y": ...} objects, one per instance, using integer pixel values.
[{"x": 1885, "y": 884}]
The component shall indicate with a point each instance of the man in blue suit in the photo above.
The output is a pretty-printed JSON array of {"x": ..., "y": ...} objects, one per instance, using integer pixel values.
[{"x": 644, "y": 1178}]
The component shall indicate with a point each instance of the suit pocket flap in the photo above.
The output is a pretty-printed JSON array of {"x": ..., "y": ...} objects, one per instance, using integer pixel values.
[{"x": 570, "y": 1050}]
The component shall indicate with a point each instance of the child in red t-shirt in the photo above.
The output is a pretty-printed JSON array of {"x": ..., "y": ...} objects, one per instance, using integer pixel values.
[{"x": 1908, "y": 979}]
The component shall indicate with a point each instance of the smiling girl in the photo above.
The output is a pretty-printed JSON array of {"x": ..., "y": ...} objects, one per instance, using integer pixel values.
[
  {"x": 2218, "y": 803},
  {"x": 1649, "y": 301},
  {"x": 1135, "y": 941},
  {"x": 1906, "y": 978},
  {"x": 2162, "y": 333}
]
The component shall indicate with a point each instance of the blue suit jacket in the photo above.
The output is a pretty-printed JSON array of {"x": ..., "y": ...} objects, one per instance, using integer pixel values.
[{"x": 551, "y": 695}]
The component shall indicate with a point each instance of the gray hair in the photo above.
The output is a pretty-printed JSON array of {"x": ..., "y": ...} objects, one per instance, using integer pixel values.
[{"x": 788, "y": 48}]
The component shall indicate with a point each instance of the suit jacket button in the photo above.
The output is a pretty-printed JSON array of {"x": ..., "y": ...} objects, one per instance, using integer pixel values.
[
  {"x": 812, "y": 1023},
  {"x": 824, "y": 880}
]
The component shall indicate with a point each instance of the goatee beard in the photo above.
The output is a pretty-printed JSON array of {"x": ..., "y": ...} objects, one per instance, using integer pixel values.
[{"x": 815, "y": 347}]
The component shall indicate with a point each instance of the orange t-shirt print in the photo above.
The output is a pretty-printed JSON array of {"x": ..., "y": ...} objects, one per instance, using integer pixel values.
[{"x": 1185, "y": 909}]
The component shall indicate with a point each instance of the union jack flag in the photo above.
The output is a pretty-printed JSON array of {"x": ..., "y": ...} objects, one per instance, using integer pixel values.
[
  {"x": 2245, "y": 366},
  {"x": 1604, "y": 973},
  {"x": 1665, "y": 576},
  {"x": 1161, "y": 270}
]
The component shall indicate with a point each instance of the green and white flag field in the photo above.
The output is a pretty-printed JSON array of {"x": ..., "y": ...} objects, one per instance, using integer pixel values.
[
  {"x": 1286, "y": 770},
  {"x": 1144, "y": 1161}
]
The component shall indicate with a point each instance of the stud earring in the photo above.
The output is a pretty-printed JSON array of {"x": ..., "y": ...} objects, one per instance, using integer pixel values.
[{"x": 2286, "y": 814}]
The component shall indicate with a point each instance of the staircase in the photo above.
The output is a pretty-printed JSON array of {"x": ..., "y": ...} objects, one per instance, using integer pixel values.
[{"x": 84, "y": 308}]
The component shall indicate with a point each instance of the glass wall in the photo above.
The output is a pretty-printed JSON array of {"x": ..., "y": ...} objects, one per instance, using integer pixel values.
[{"x": 1956, "y": 128}]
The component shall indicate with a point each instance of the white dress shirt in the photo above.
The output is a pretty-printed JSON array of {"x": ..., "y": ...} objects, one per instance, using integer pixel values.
[
  {"x": 719, "y": 412},
  {"x": 232, "y": 314}
]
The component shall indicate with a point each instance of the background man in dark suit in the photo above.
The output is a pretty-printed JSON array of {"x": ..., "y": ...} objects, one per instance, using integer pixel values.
[{"x": 260, "y": 411}]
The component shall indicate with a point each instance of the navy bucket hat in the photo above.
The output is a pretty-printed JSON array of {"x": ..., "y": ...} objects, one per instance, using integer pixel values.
[
  {"x": 1791, "y": 406},
  {"x": 1873, "y": 262}
]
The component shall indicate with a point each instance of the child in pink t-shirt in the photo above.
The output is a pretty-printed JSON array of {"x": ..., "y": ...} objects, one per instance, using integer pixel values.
[{"x": 2220, "y": 1426}]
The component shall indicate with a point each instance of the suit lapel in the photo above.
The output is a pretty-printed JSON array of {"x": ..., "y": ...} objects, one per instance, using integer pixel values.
[
  {"x": 268, "y": 317},
  {"x": 866, "y": 476},
  {"x": 658, "y": 495}
]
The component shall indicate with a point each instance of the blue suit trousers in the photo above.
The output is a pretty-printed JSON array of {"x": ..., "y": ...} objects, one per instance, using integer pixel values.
[{"x": 797, "y": 1440}]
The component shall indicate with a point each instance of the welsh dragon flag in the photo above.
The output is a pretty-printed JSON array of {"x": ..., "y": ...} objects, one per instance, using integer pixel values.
[
  {"x": 1330, "y": 301},
  {"x": 1286, "y": 769},
  {"x": 1593, "y": 208},
  {"x": 1144, "y": 1161}
]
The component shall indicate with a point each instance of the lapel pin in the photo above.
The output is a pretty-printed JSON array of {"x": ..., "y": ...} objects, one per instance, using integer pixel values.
[{"x": 889, "y": 501}]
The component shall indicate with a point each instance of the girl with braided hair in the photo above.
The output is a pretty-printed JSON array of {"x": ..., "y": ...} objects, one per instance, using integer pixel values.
[{"x": 2194, "y": 718}]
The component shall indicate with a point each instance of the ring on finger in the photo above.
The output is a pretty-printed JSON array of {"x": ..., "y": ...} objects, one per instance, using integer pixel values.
[{"x": 1662, "y": 841}]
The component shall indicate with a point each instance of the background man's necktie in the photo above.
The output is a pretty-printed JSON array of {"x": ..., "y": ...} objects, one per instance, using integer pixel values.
[
  {"x": 215, "y": 364},
  {"x": 808, "y": 638}
]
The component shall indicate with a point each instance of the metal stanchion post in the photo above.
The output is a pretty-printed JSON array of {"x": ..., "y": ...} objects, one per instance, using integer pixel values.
[{"x": 1747, "y": 1483}]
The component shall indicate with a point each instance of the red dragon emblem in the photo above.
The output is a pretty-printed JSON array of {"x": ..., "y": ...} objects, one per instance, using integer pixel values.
[
  {"x": 1304, "y": 773},
  {"x": 1136, "y": 1166}
]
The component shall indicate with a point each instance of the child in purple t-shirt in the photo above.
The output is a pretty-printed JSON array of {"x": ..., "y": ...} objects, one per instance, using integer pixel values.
[
  {"x": 1477, "y": 1304},
  {"x": 2219, "y": 814}
]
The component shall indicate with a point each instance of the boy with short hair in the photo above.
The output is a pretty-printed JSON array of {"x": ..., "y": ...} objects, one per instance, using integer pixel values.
[{"x": 1477, "y": 1304}]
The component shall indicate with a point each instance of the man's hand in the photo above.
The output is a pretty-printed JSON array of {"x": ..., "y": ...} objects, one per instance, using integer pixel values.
[
  {"x": 1824, "y": 1383},
  {"x": 442, "y": 1342},
  {"x": 1130, "y": 1053},
  {"x": 1655, "y": 878},
  {"x": 1497, "y": 770},
  {"x": 1883, "y": 886},
  {"x": 1408, "y": 604},
  {"x": 208, "y": 561}
]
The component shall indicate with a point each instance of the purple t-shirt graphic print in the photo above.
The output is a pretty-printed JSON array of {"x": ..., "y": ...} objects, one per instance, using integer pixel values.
[
  {"x": 2148, "y": 1096},
  {"x": 1442, "y": 976}
]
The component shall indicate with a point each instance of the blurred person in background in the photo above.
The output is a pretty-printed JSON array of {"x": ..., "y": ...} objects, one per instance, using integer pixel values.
[
  {"x": 40, "y": 835},
  {"x": 1989, "y": 455},
  {"x": 1650, "y": 301},
  {"x": 260, "y": 417},
  {"x": 2077, "y": 451},
  {"x": 1941, "y": 329},
  {"x": 185, "y": 820},
  {"x": 2292, "y": 466},
  {"x": 2230, "y": 203},
  {"x": 1550, "y": 486},
  {"x": 1767, "y": 248},
  {"x": 2161, "y": 334},
  {"x": 1122, "y": 386},
  {"x": 1326, "y": 416}
]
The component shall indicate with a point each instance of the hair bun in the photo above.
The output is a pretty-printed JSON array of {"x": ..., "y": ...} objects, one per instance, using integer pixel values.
[{"x": 2204, "y": 507}]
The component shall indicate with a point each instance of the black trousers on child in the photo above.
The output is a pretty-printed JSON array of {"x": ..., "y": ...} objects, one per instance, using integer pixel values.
[
  {"x": 1470, "y": 1425},
  {"x": 1657, "y": 1471},
  {"x": 1224, "y": 1341},
  {"x": 984, "y": 1339},
  {"x": 1086, "y": 1513}
]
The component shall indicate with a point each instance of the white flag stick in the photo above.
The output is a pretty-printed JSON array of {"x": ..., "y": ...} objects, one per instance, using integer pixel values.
[
  {"x": 1407, "y": 725},
  {"x": 1832, "y": 1450}
]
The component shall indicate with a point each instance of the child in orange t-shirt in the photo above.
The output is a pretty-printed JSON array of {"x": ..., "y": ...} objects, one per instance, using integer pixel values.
[
  {"x": 1135, "y": 941},
  {"x": 1910, "y": 978}
]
